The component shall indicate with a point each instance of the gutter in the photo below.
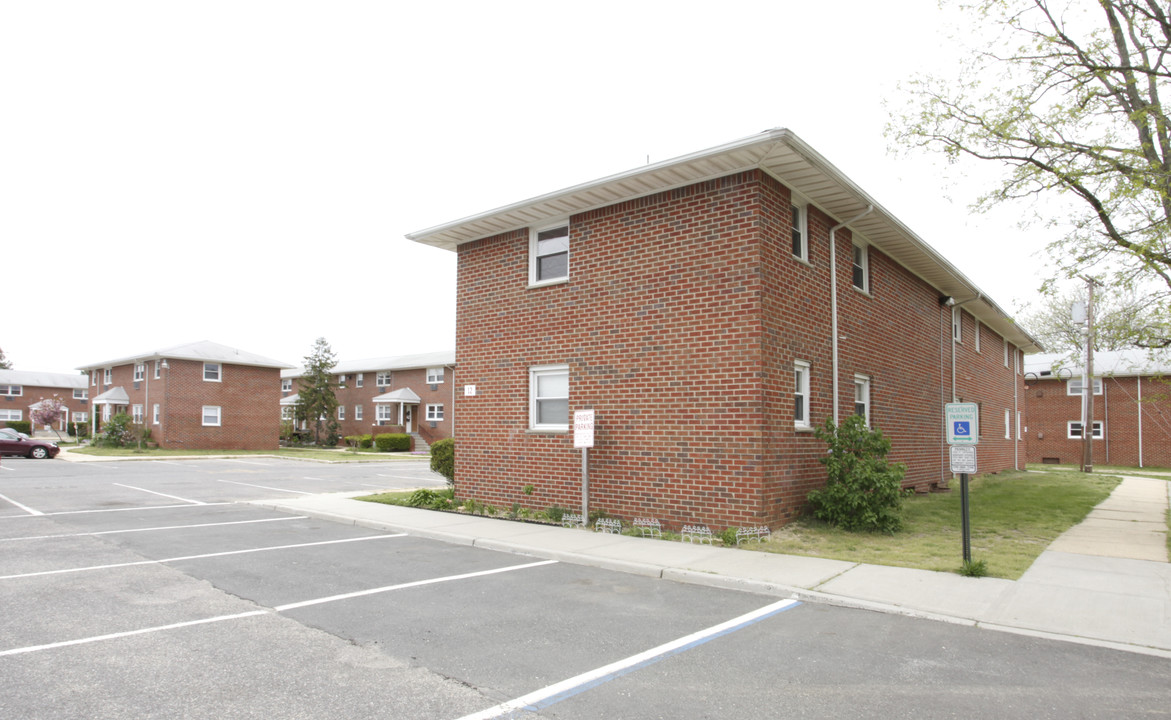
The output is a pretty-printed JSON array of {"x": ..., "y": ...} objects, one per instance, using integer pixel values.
[{"x": 833, "y": 297}]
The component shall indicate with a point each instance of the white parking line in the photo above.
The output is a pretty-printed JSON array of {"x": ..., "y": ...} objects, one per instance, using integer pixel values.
[
  {"x": 195, "y": 557},
  {"x": 400, "y": 477},
  {"x": 248, "y": 462},
  {"x": 125, "y": 509},
  {"x": 265, "y": 487},
  {"x": 543, "y": 698},
  {"x": 254, "y": 613},
  {"x": 26, "y": 508},
  {"x": 154, "y": 492},
  {"x": 152, "y": 529}
]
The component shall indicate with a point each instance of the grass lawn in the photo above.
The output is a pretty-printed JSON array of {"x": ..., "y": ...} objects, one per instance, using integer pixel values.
[
  {"x": 1014, "y": 516},
  {"x": 296, "y": 453}
]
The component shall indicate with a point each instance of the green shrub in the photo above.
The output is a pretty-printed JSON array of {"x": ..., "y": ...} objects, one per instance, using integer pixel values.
[
  {"x": 392, "y": 442},
  {"x": 79, "y": 430},
  {"x": 24, "y": 426},
  {"x": 366, "y": 441},
  {"x": 728, "y": 537},
  {"x": 555, "y": 513},
  {"x": 119, "y": 432},
  {"x": 863, "y": 491},
  {"x": 443, "y": 459}
]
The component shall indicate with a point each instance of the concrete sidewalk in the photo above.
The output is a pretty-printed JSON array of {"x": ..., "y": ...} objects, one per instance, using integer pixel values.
[{"x": 1089, "y": 588}]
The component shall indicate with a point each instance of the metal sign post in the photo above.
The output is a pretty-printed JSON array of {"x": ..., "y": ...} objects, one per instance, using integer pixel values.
[
  {"x": 583, "y": 437},
  {"x": 963, "y": 434}
]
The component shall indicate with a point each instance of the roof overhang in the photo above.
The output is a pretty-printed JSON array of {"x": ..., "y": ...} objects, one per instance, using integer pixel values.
[
  {"x": 113, "y": 396},
  {"x": 789, "y": 159},
  {"x": 402, "y": 395}
]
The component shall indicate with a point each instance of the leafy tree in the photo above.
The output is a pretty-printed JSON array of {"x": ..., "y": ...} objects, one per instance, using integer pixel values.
[
  {"x": 49, "y": 411},
  {"x": 863, "y": 491},
  {"x": 5, "y": 363},
  {"x": 1116, "y": 319},
  {"x": 1067, "y": 96},
  {"x": 317, "y": 402}
]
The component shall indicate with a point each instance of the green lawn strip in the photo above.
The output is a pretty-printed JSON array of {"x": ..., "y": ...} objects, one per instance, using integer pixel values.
[{"x": 1014, "y": 516}]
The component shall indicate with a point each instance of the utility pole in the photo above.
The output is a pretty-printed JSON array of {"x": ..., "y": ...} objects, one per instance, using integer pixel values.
[{"x": 1088, "y": 384}]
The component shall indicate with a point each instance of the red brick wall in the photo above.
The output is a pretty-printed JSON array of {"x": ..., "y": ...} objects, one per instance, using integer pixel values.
[
  {"x": 680, "y": 323},
  {"x": 1051, "y": 409},
  {"x": 32, "y": 394}
]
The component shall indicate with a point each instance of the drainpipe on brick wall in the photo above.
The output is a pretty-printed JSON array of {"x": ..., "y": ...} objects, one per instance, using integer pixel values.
[
  {"x": 833, "y": 296},
  {"x": 451, "y": 422},
  {"x": 1139, "y": 407},
  {"x": 957, "y": 317}
]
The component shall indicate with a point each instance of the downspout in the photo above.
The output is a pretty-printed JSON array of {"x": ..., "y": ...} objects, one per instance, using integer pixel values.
[
  {"x": 1105, "y": 418},
  {"x": 1016, "y": 422},
  {"x": 451, "y": 427},
  {"x": 958, "y": 318},
  {"x": 833, "y": 296},
  {"x": 1139, "y": 407}
]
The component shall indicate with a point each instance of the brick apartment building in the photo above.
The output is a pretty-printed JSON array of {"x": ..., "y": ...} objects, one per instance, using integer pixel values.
[
  {"x": 692, "y": 304},
  {"x": 1132, "y": 410},
  {"x": 22, "y": 390},
  {"x": 201, "y": 396},
  {"x": 402, "y": 393}
]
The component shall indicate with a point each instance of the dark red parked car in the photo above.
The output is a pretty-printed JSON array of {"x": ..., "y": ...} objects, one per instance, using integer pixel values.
[{"x": 17, "y": 443}]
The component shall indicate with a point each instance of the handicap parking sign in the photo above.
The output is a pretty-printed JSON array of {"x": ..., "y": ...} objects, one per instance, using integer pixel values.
[{"x": 962, "y": 423}]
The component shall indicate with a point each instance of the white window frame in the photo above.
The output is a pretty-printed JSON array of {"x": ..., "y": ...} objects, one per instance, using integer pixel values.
[
  {"x": 358, "y": 381},
  {"x": 93, "y": 378},
  {"x": 801, "y": 402},
  {"x": 1007, "y": 424},
  {"x": 12, "y": 390},
  {"x": 108, "y": 376},
  {"x": 80, "y": 393},
  {"x": 1005, "y": 351},
  {"x": 384, "y": 379},
  {"x": 1070, "y": 385},
  {"x": 11, "y": 414},
  {"x": 106, "y": 413},
  {"x": 137, "y": 413},
  {"x": 862, "y": 382},
  {"x": 435, "y": 412},
  {"x": 799, "y": 230},
  {"x": 535, "y": 374},
  {"x": 341, "y": 412},
  {"x": 158, "y": 372},
  {"x": 534, "y": 234},
  {"x": 286, "y": 384},
  {"x": 957, "y": 325},
  {"x": 219, "y": 373},
  {"x": 1073, "y": 430},
  {"x": 357, "y": 412},
  {"x": 976, "y": 336},
  {"x": 80, "y": 416},
  {"x": 341, "y": 380},
  {"x": 209, "y": 410},
  {"x": 155, "y": 414},
  {"x": 287, "y": 412},
  {"x": 864, "y": 267},
  {"x": 139, "y": 372},
  {"x": 434, "y": 376},
  {"x": 383, "y": 413}
]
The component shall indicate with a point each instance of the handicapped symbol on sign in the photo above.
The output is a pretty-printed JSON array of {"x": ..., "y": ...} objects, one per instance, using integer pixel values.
[{"x": 962, "y": 429}]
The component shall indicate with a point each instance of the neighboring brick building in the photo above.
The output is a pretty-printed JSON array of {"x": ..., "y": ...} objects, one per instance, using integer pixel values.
[
  {"x": 1132, "y": 410},
  {"x": 202, "y": 396},
  {"x": 403, "y": 393},
  {"x": 689, "y": 304},
  {"x": 21, "y": 390}
]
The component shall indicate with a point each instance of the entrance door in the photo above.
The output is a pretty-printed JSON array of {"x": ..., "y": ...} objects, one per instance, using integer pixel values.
[{"x": 408, "y": 415}]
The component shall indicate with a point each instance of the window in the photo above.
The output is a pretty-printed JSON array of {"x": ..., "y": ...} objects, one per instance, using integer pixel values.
[
  {"x": 434, "y": 376},
  {"x": 211, "y": 415},
  {"x": 93, "y": 377},
  {"x": 862, "y": 397},
  {"x": 956, "y": 328},
  {"x": 157, "y": 370},
  {"x": 154, "y": 414},
  {"x": 11, "y": 414},
  {"x": 211, "y": 373},
  {"x": 80, "y": 394},
  {"x": 1074, "y": 386},
  {"x": 548, "y": 254},
  {"x": 862, "y": 268},
  {"x": 976, "y": 335},
  {"x": 1006, "y": 353},
  {"x": 359, "y": 379},
  {"x": 341, "y": 412},
  {"x": 801, "y": 394},
  {"x": 1075, "y": 430},
  {"x": 1007, "y": 424},
  {"x": 1017, "y": 359},
  {"x": 434, "y": 413},
  {"x": 286, "y": 384},
  {"x": 383, "y": 413},
  {"x": 109, "y": 376},
  {"x": 80, "y": 417},
  {"x": 549, "y": 398},
  {"x": 383, "y": 379},
  {"x": 139, "y": 372},
  {"x": 800, "y": 232},
  {"x": 105, "y": 412},
  {"x": 12, "y": 390},
  {"x": 287, "y": 413},
  {"x": 136, "y": 413},
  {"x": 341, "y": 380},
  {"x": 357, "y": 412}
]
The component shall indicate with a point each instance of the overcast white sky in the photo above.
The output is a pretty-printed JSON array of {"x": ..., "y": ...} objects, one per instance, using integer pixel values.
[{"x": 244, "y": 171}]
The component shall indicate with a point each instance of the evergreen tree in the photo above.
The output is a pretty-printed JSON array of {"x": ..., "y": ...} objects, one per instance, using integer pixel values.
[{"x": 317, "y": 401}]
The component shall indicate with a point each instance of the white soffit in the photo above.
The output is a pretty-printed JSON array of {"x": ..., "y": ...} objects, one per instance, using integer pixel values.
[{"x": 783, "y": 155}]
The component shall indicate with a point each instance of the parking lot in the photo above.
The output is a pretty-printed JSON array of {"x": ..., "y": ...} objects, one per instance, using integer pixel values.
[{"x": 154, "y": 589}]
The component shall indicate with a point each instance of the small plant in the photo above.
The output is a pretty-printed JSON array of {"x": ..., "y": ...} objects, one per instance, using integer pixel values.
[
  {"x": 119, "y": 432},
  {"x": 728, "y": 537},
  {"x": 443, "y": 459},
  {"x": 863, "y": 491},
  {"x": 555, "y": 513},
  {"x": 471, "y": 506},
  {"x": 514, "y": 511},
  {"x": 974, "y": 568},
  {"x": 528, "y": 489}
]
